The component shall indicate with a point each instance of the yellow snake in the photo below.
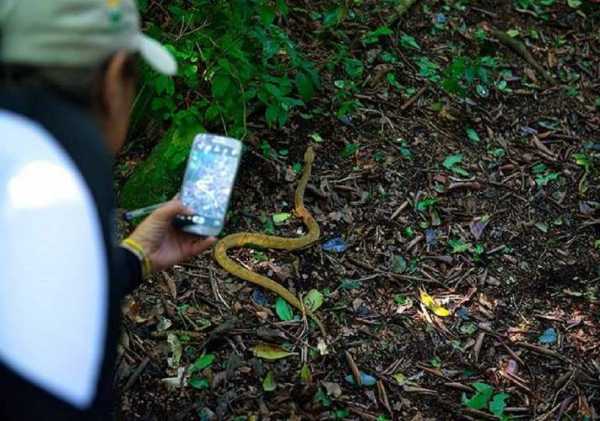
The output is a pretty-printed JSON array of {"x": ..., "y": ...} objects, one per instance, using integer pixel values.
[{"x": 246, "y": 239}]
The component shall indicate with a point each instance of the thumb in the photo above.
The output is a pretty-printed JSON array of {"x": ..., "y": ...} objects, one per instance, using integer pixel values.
[{"x": 171, "y": 209}]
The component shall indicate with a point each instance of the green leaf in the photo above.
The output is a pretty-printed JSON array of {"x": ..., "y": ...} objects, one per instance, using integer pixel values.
[
  {"x": 353, "y": 68},
  {"x": 472, "y": 135},
  {"x": 334, "y": 17},
  {"x": 498, "y": 404},
  {"x": 305, "y": 86},
  {"x": 399, "y": 264},
  {"x": 220, "y": 85},
  {"x": 268, "y": 382},
  {"x": 574, "y": 3},
  {"x": 199, "y": 383},
  {"x": 349, "y": 150},
  {"x": 468, "y": 328},
  {"x": 452, "y": 160},
  {"x": 481, "y": 398},
  {"x": 373, "y": 36},
  {"x": 203, "y": 362},
  {"x": 305, "y": 374},
  {"x": 423, "y": 205},
  {"x": 458, "y": 246},
  {"x": 280, "y": 218},
  {"x": 542, "y": 226},
  {"x": 283, "y": 309},
  {"x": 313, "y": 300},
  {"x": 316, "y": 137},
  {"x": 513, "y": 33},
  {"x": 270, "y": 352},
  {"x": 267, "y": 15},
  {"x": 582, "y": 160},
  {"x": 407, "y": 41},
  {"x": 297, "y": 167}
]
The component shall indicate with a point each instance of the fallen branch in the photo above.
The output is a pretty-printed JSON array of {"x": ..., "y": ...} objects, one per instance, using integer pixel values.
[{"x": 522, "y": 50}]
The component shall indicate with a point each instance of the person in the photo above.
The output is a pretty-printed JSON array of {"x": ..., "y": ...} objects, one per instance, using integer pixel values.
[{"x": 67, "y": 85}]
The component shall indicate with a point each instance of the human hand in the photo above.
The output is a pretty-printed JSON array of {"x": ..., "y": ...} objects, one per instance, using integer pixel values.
[{"x": 164, "y": 244}]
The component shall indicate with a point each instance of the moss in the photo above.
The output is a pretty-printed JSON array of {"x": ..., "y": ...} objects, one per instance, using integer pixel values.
[{"x": 159, "y": 177}]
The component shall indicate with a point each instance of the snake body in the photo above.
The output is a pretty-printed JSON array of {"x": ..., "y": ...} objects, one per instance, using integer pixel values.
[{"x": 246, "y": 239}]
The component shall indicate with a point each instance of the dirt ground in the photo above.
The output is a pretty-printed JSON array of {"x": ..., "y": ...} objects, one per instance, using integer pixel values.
[{"x": 508, "y": 248}]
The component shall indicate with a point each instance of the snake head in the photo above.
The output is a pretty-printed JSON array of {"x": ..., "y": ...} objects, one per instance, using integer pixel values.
[{"x": 309, "y": 155}]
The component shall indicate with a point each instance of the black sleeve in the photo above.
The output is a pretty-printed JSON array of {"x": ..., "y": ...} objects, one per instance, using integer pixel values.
[{"x": 129, "y": 269}]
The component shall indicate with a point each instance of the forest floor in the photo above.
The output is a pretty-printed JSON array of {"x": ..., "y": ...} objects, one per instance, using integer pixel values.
[{"x": 489, "y": 202}]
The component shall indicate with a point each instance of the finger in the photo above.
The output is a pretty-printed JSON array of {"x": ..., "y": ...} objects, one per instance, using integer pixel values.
[
  {"x": 171, "y": 209},
  {"x": 200, "y": 245}
]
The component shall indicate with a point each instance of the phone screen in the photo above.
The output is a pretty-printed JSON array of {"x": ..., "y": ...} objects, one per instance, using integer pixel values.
[{"x": 208, "y": 182}]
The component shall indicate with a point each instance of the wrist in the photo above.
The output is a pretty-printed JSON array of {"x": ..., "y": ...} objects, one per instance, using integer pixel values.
[{"x": 138, "y": 250}]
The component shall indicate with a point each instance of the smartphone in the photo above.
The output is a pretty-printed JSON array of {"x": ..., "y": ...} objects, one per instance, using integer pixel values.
[{"x": 207, "y": 184}]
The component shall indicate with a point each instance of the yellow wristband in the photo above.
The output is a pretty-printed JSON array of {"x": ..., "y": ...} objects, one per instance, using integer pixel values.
[{"x": 135, "y": 247}]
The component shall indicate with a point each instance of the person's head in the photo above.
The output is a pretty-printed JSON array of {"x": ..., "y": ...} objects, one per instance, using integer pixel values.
[{"x": 83, "y": 50}]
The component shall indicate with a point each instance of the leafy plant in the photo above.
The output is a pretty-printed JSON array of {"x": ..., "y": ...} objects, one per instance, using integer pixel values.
[
  {"x": 538, "y": 7},
  {"x": 465, "y": 74},
  {"x": 484, "y": 398}
]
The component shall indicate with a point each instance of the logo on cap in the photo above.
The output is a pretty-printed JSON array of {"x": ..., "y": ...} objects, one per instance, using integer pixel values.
[{"x": 114, "y": 10}]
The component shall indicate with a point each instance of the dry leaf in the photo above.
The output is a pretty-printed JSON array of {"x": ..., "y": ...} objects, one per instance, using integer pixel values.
[
  {"x": 432, "y": 305},
  {"x": 270, "y": 351}
]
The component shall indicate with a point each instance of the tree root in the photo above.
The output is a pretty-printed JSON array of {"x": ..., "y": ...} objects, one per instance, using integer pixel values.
[{"x": 522, "y": 50}]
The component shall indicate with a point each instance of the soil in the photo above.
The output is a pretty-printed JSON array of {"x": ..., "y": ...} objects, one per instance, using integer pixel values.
[{"x": 537, "y": 267}]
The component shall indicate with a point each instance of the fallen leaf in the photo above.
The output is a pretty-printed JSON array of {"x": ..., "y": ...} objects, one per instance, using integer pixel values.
[
  {"x": 548, "y": 337},
  {"x": 270, "y": 351},
  {"x": 280, "y": 218},
  {"x": 322, "y": 347},
  {"x": 336, "y": 245},
  {"x": 400, "y": 378},
  {"x": 481, "y": 397},
  {"x": 478, "y": 225},
  {"x": 175, "y": 347},
  {"x": 203, "y": 362},
  {"x": 198, "y": 383},
  {"x": 432, "y": 305},
  {"x": 313, "y": 300},
  {"x": 305, "y": 374},
  {"x": 175, "y": 382},
  {"x": 333, "y": 389},
  {"x": 365, "y": 379},
  {"x": 268, "y": 383},
  {"x": 498, "y": 404},
  {"x": 283, "y": 309}
]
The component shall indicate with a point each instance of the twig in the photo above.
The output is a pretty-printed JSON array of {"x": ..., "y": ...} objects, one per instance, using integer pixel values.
[
  {"x": 473, "y": 185},
  {"x": 383, "y": 397},
  {"x": 399, "y": 210},
  {"x": 480, "y": 414},
  {"x": 478, "y": 344},
  {"x": 138, "y": 371},
  {"x": 413, "y": 98},
  {"x": 541, "y": 350},
  {"x": 354, "y": 368},
  {"x": 179, "y": 332}
]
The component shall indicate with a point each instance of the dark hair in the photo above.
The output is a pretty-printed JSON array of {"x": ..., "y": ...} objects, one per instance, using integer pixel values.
[{"x": 82, "y": 85}]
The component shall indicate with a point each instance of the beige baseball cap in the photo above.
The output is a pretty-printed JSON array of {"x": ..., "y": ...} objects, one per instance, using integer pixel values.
[{"x": 76, "y": 33}]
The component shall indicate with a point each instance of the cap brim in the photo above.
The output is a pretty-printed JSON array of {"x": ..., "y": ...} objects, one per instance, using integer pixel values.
[{"x": 157, "y": 56}]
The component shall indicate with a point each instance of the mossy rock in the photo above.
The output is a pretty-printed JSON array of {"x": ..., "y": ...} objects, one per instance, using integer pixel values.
[{"x": 159, "y": 177}]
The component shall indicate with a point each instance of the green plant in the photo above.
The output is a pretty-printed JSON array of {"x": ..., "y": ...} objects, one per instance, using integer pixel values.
[
  {"x": 538, "y": 7},
  {"x": 485, "y": 398},
  {"x": 241, "y": 61},
  {"x": 235, "y": 60},
  {"x": 466, "y": 74}
]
